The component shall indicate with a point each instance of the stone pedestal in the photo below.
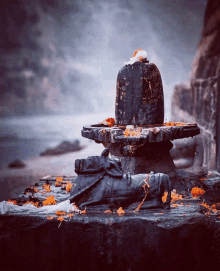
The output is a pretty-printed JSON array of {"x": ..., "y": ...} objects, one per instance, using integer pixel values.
[{"x": 179, "y": 239}]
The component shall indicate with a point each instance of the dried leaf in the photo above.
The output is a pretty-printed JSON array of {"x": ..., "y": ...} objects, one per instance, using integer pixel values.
[
  {"x": 70, "y": 215},
  {"x": 175, "y": 205}
]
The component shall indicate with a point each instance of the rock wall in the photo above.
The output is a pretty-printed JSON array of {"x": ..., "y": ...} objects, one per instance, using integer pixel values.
[{"x": 197, "y": 101}]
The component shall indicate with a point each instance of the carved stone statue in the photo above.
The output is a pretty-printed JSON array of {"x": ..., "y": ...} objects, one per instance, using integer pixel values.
[
  {"x": 187, "y": 154},
  {"x": 101, "y": 184}
]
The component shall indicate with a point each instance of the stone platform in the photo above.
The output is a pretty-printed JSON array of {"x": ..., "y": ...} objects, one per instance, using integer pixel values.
[
  {"x": 150, "y": 134},
  {"x": 180, "y": 239},
  {"x": 186, "y": 237}
]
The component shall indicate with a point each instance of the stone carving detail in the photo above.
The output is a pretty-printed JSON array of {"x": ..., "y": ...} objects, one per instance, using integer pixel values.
[{"x": 101, "y": 184}]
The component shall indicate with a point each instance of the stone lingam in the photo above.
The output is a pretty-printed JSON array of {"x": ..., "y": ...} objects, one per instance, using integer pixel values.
[
  {"x": 139, "y": 142},
  {"x": 41, "y": 229}
]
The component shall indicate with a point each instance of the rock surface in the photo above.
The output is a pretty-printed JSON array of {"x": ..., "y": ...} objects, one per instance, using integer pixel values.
[
  {"x": 16, "y": 164},
  {"x": 63, "y": 148},
  {"x": 175, "y": 240},
  {"x": 185, "y": 237},
  {"x": 198, "y": 101}
]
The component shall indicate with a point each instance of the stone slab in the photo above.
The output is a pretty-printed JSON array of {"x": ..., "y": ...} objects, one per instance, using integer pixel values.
[
  {"x": 179, "y": 239},
  {"x": 102, "y": 133}
]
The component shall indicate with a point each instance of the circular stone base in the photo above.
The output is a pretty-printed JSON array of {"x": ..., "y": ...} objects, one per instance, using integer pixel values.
[{"x": 140, "y": 135}]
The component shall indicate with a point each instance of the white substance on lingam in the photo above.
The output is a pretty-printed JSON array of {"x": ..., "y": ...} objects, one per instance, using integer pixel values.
[
  {"x": 8, "y": 207},
  {"x": 138, "y": 56}
]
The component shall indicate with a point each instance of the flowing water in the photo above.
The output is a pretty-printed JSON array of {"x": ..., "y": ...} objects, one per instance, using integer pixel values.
[{"x": 27, "y": 136}]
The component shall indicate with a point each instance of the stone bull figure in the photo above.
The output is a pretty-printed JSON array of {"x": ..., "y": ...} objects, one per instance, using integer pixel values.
[{"x": 100, "y": 184}]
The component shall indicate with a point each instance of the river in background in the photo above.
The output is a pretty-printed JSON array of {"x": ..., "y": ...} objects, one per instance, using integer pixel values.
[{"x": 26, "y": 137}]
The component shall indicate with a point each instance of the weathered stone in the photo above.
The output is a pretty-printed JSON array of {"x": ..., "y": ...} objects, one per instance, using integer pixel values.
[
  {"x": 16, "y": 164},
  {"x": 63, "y": 148},
  {"x": 199, "y": 102},
  {"x": 179, "y": 239},
  {"x": 139, "y": 95}
]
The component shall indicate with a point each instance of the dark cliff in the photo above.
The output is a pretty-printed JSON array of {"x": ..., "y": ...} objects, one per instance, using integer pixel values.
[{"x": 198, "y": 100}]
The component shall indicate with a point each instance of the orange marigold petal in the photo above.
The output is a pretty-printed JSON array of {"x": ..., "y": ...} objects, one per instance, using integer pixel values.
[
  {"x": 60, "y": 218},
  {"x": 83, "y": 212},
  {"x": 196, "y": 192},
  {"x": 50, "y": 217},
  {"x": 108, "y": 212},
  {"x": 120, "y": 211},
  {"x": 70, "y": 215},
  {"x": 60, "y": 213},
  {"x": 50, "y": 200},
  {"x": 68, "y": 187},
  {"x": 59, "y": 179},
  {"x": 136, "y": 52}
]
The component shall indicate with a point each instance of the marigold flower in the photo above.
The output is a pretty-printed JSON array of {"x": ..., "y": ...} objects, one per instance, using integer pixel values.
[
  {"x": 110, "y": 122},
  {"x": 68, "y": 186},
  {"x": 70, "y": 215},
  {"x": 50, "y": 217},
  {"x": 60, "y": 213},
  {"x": 120, "y": 211},
  {"x": 83, "y": 212},
  {"x": 12, "y": 201},
  {"x": 60, "y": 218},
  {"x": 196, "y": 192},
  {"x": 108, "y": 212},
  {"x": 46, "y": 187},
  {"x": 50, "y": 200}
]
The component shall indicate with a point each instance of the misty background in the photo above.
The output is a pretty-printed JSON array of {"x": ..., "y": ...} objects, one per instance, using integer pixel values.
[{"x": 61, "y": 58}]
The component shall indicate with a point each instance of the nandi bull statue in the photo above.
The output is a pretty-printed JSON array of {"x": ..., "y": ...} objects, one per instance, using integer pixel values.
[{"x": 101, "y": 184}]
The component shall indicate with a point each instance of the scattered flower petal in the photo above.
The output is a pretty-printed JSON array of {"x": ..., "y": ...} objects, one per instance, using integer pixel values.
[
  {"x": 50, "y": 217},
  {"x": 60, "y": 218},
  {"x": 120, "y": 211},
  {"x": 83, "y": 212},
  {"x": 68, "y": 186},
  {"x": 108, "y": 212},
  {"x": 60, "y": 213},
  {"x": 196, "y": 192},
  {"x": 50, "y": 200}
]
